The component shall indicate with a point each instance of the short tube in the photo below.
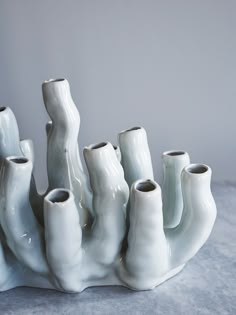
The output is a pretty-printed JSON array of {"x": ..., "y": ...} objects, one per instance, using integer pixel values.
[
  {"x": 146, "y": 258},
  {"x": 22, "y": 231},
  {"x": 136, "y": 158},
  {"x": 36, "y": 200},
  {"x": 63, "y": 238},
  {"x": 198, "y": 215},
  {"x": 9, "y": 133},
  {"x": 27, "y": 149},
  {"x": 118, "y": 153},
  {"x": 110, "y": 197}
]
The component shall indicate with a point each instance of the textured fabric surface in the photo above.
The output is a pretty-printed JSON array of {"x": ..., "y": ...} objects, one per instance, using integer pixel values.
[{"x": 207, "y": 285}]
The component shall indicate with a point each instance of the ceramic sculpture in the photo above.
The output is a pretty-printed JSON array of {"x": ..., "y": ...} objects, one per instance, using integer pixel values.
[{"x": 113, "y": 231}]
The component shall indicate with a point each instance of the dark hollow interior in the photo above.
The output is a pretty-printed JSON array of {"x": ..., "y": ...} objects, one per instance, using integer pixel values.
[
  {"x": 2, "y": 109},
  {"x": 99, "y": 145},
  {"x": 145, "y": 186},
  {"x": 175, "y": 153},
  {"x": 197, "y": 169},
  {"x": 59, "y": 196},
  {"x": 132, "y": 129},
  {"x": 19, "y": 160}
]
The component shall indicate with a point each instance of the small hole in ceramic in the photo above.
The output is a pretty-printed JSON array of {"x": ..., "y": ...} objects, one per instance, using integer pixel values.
[
  {"x": 99, "y": 145},
  {"x": 115, "y": 147},
  {"x": 175, "y": 153},
  {"x": 2, "y": 109},
  {"x": 197, "y": 169},
  {"x": 19, "y": 160},
  {"x": 145, "y": 186},
  {"x": 59, "y": 196}
]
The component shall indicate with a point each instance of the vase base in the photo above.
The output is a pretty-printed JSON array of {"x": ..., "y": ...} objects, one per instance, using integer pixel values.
[{"x": 112, "y": 280}]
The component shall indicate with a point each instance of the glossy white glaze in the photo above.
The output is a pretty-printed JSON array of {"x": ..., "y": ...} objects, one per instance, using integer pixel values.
[
  {"x": 24, "y": 235},
  {"x": 63, "y": 235},
  {"x": 62, "y": 152},
  {"x": 77, "y": 235},
  {"x": 135, "y": 154}
]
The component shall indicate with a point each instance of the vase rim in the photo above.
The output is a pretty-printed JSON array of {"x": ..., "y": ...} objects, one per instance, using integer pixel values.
[
  {"x": 58, "y": 80},
  {"x": 59, "y": 196},
  {"x": 146, "y": 186},
  {"x": 17, "y": 159},
  {"x": 197, "y": 169},
  {"x": 134, "y": 129},
  {"x": 174, "y": 153},
  {"x": 97, "y": 146}
]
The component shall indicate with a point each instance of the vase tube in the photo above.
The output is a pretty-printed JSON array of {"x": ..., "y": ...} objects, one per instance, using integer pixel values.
[
  {"x": 136, "y": 158},
  {"x": 147, "y": 255},
  {"x": 110, "y": 196},
  {"x": 63, "y": 238},
  {"x": 173, "y": 164},
  {"x": 62, "y": 148},
  {"x": 22, "y": 231},
  {"x": 198, "y": 216}
]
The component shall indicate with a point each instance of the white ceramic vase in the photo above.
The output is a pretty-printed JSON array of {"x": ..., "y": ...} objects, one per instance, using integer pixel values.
[{"x": 121, "y": 229}]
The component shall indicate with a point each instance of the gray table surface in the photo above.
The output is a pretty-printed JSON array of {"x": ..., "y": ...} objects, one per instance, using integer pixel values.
[{"x": 207, "y": 285}]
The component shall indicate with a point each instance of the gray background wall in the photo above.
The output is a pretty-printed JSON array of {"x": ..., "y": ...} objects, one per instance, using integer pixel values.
[{"x": 167, "y": 65}]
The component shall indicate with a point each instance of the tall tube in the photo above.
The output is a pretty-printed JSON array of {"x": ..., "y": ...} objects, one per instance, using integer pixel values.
[{"x": 63, "y": 160}]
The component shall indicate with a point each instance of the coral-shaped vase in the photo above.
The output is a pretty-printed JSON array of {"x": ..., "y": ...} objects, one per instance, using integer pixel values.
[{"x": 116, "y": 227}]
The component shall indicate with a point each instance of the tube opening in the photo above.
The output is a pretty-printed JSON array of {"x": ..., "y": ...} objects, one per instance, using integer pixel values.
[
  {"x": 2, "y": 108},
  {"x": 20, "y": 160},
  {"x": 197, "y": 169},
  {"x": 98, "y": 145},
  {"x": 55, "y": 80},
  {"x": 175, "y": 153},
  {"x": 58, "y": 196},
  {"x": 145, "y": 186},
  {"x": 132, "y": 129}
]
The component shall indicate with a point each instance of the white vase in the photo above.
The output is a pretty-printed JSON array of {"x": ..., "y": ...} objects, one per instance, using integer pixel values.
[{"x": 113, "y": 232}]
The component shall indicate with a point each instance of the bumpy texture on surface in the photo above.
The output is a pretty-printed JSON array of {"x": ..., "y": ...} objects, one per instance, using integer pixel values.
[{"x": 110, "y": 232}]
